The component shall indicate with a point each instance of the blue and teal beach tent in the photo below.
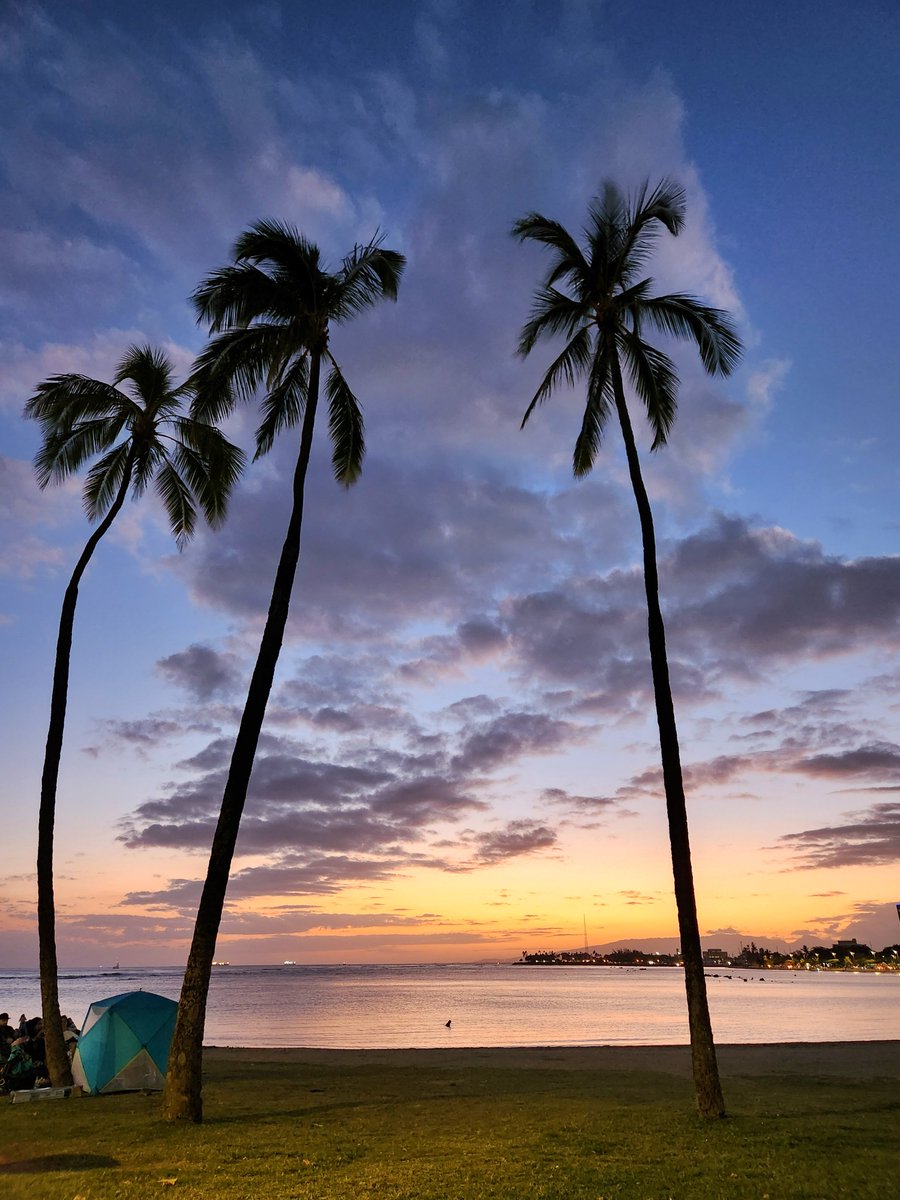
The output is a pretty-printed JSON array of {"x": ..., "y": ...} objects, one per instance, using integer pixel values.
[{"x": 124, "y": 1043}]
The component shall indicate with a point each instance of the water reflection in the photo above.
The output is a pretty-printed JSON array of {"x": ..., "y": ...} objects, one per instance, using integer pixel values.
[{"x": 358, "y": 1007}]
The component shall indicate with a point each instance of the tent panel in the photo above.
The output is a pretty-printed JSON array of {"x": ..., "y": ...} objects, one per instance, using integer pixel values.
[
  {"x": 159, "y": 1020},
  {"x": 141, "y": 1072},
  {"x": 117, "y": 1044},
  {"x": 98, "y": 1010},
  {"x": 79, "y": 1074},
  {"x": 90, "y": 1053},
  {"x": 158, "y": 1045},
  {"x": 93, "y": 1015},
  {"x": 147, "y": 1018}
]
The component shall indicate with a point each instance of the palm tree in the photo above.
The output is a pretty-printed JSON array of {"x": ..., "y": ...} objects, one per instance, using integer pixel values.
[
  {"x": 142, "y": 436},
  {"x": 594, "y": 294},
  {"x": 271, "y": 312}
]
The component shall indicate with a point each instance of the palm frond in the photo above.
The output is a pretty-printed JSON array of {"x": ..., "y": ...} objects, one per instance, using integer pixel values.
[
  {"x": 234, "y": 296},
  {"x": 150, "y": 455},
  {"x": 176, "y": 495},
  {"x": 622, "y": 231},
  {"x": 283, "y": 405},
  {"x": 233, "y": 366},
  {"x": 346, "y": 426},
  {"x": 630, "y": 299},
  {"x": 65, "y": 451},
  {"x": 596, "y": 411},
  {"x": 605, "y": 231},
  {"x": 278, "y": 243},
  {"x": 172, "y": 405},
  {"x": 62, "y": 400},
  {"x": 552, "y": 312},
  {"x": 149, "y": 370},
  {"x": 666, "y": 204},
  {"x": 209, "y": 463},
  {"x": 105, "y": 478},
  {"x": 368, "y": 273},
  {"x": 569, "y": 263},
  {"x": 655, "y": 380},
  {"x": 712, "y": 329},
  {"x": 573, "y": 362},
  {"x": 600, "y": 400}
]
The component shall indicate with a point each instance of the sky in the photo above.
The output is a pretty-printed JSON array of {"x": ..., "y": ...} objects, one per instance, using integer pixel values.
[{"x": 459, "y": 760}]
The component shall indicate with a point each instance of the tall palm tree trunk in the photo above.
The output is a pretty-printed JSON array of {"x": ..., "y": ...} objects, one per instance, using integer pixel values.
[
  {"x": 57, "y": 1059},
  {"x": 703, "y": 1051},
  {"x": 183, "y": 1099}
]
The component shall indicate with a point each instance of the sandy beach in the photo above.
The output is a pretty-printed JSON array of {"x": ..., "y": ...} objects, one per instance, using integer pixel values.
[{"x": 854, "y": 1060}]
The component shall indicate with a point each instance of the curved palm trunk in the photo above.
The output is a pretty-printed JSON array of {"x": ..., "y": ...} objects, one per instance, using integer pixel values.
[
  {"x": 184, "y": 1079},
  {"x": 58, "y": 1065},
  {"x": 703, "y": 1051}
]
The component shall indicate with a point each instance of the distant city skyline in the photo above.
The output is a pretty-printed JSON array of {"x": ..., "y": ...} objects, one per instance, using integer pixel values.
[{"x": 460, "y": 753}]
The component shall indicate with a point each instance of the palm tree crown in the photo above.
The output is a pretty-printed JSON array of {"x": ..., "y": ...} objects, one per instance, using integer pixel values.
[
  {"x": 604, "y": 307},
  {"x": 142, "y": 436},
  {"x": 271, "y": 312}
]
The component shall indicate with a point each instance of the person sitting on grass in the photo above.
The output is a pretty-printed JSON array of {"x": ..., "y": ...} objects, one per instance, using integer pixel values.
[
  {"x": 20, "y": 1071},
  {"x": 7, "y": 1037},
  {"x": 70, "y": 1037},
  {"x": 36, "y": 1035}
]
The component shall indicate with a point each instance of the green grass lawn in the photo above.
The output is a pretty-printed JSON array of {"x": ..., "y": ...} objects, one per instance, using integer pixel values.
[{"x": 434, "y": 1133}]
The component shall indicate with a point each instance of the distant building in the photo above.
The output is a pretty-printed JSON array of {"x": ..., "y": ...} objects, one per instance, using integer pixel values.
[{"x": 714, "y": 957}]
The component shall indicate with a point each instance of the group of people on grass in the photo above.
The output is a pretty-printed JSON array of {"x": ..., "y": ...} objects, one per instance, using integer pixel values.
[{"x": 22, "y": 1063}]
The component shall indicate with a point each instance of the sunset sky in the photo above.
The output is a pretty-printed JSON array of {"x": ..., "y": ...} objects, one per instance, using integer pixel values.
[{"x": 459, "y": 759}]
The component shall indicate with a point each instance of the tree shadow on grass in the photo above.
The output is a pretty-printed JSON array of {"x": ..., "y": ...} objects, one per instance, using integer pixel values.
[{"x": 57, "y": 1162}]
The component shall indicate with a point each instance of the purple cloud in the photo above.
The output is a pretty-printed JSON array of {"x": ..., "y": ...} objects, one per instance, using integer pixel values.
[
  {"x": 202, "y": 671},
  {"x": 509, "y": 737},
  {"x": 512, "y": 841},
  {"x": 879, "y": 760},
  {"x": 873, "y": 837}
]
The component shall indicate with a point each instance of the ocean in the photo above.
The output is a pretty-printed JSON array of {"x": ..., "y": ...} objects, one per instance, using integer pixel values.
[{"x": 385, "y": 1007}]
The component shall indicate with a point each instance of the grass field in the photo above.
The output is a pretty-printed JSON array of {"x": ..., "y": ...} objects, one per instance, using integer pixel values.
[{"x": 531, "y": 1125}]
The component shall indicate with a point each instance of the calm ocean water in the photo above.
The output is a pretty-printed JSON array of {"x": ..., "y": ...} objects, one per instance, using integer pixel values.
[{"x": 383, "y": 1007}]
